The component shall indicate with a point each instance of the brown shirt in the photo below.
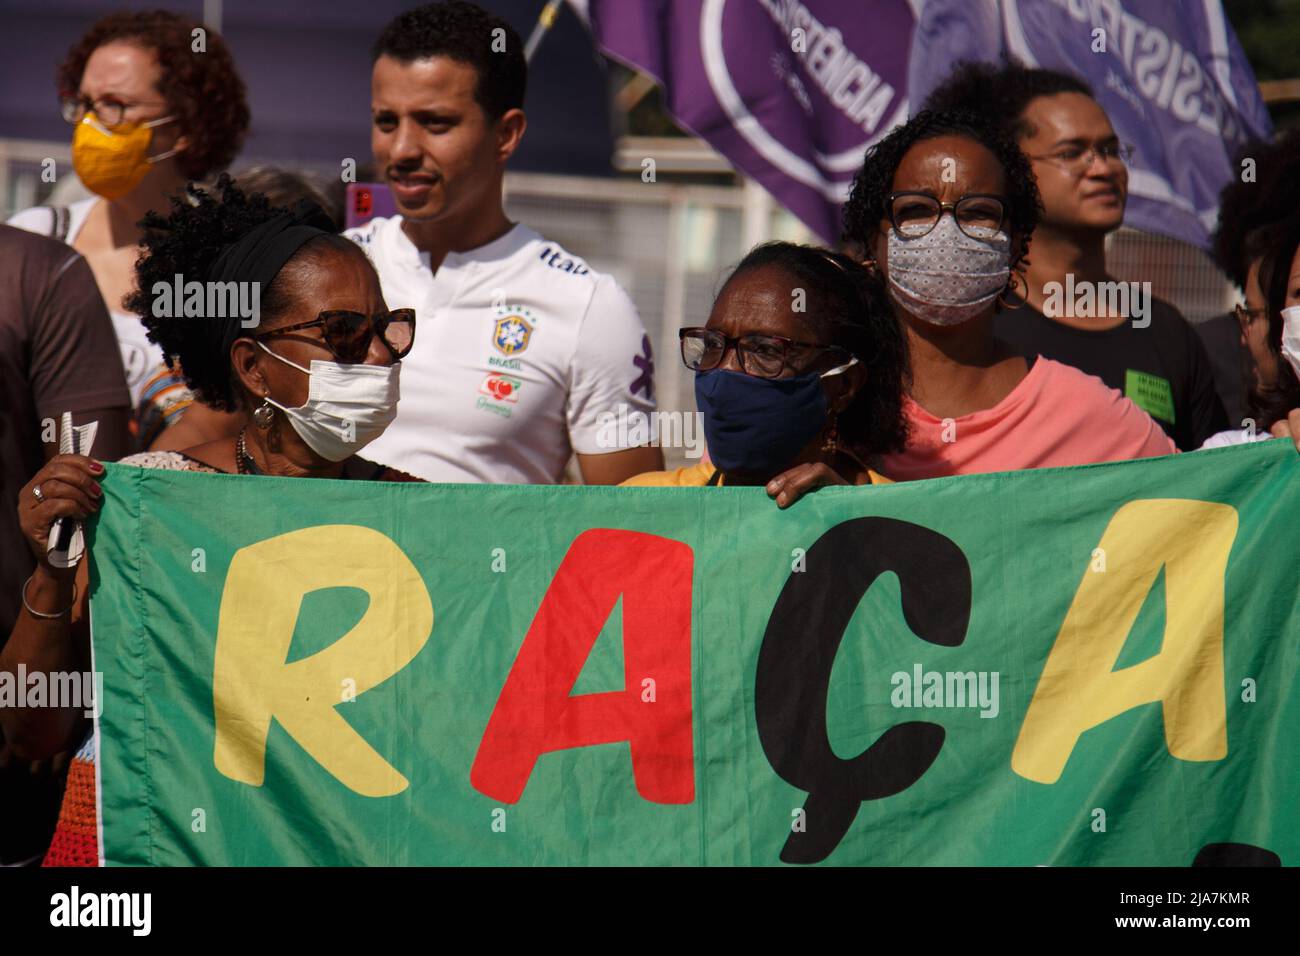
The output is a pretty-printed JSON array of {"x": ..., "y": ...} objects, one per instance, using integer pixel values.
[{"x": 58, "y": 353}]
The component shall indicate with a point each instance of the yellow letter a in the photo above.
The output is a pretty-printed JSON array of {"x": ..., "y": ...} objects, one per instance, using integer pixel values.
[
  {"x": 1079, "y": 688},
  {"x": 251, "y": 683}
]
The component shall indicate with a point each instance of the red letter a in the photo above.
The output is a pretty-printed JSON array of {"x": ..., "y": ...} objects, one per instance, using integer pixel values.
[{"x": 535, "y": 714}]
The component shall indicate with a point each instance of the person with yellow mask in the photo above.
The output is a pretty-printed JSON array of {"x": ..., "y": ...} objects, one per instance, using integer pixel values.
[{"x": 152, "y": 108}]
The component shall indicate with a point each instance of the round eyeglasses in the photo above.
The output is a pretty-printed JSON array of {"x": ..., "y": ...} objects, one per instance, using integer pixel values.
[
  {"x": 763, "y": 356},
  {"x": 109, "y": 112},
  {"x": 1246, "y": 315},
  {"x": 1076, "y": 159},
  {"x": 914, "y": 214}
]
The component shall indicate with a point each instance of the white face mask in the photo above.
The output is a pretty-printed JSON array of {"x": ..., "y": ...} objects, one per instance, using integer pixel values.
[
  {"x": 945, "y": 276},
  {"x": 348, "y": 406},
  {"x": 1291, "y": 337}
]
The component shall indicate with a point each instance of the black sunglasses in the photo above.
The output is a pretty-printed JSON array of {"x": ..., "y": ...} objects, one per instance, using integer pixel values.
[{"x": 347, "y": 334}]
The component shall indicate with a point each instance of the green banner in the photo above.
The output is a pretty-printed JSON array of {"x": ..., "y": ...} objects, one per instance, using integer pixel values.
[{"x": 1082, "y": 666}]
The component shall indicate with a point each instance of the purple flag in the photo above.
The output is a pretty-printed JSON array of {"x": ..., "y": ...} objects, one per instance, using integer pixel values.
[
  {"x": 1171, "y": 76},
  {"x": 790, "y": 91}
]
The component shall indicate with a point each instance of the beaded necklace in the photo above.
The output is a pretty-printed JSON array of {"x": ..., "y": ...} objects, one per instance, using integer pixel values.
[{"x": 244, "y": 463}]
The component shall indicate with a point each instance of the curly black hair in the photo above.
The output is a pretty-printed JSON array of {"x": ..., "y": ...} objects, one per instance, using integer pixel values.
[
  {"x": 1009, "y": 87},
  {"x": 867, "y": 205},
  {"x": 203, "y": 90},
  {"x": 1270, "y": 405},
  {"x": 847, "y": 305},
  {"x": 464, "y": 32},
  {"x": 187, "y": 243},
  {"x": 1249, "y": 211}
]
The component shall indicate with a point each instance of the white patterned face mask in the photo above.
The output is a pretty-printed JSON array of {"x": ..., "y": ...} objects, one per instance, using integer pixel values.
[
  {"x": 1291, "y": 337},
  {"x": 947, "y": 277}
]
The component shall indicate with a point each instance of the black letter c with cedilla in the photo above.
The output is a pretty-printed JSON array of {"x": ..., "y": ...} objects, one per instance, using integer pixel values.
[{"x": 798, "y": 652}]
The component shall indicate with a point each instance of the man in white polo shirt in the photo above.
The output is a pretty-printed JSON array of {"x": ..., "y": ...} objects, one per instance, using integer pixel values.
[{"x": 521, "y": 350}]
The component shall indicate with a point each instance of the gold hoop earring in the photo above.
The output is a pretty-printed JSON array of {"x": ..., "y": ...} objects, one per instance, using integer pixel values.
[{"x": 1013, "y": 288}]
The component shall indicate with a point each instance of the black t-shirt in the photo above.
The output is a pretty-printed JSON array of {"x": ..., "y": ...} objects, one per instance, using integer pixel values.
[
  {"x": 1162, "y": 368},
  {"x": 1230, "y": 361}
]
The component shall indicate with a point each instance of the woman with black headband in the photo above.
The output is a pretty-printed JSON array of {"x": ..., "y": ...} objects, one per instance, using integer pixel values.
[{"x": 299, "y": 342}]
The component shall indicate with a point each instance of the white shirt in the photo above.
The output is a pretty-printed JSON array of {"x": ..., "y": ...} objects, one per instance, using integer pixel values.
[
  {"x": 1234, "y": 436},
  {"x": 140, "y": 357},
  {"x": 520, "y": 351}
]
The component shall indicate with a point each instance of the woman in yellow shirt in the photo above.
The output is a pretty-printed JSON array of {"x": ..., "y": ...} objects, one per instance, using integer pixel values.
[{"x": 799, "y": 375}]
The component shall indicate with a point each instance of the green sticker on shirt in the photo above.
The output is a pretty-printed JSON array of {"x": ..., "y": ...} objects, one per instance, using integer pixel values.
[{"x": 1151, "y": 393}]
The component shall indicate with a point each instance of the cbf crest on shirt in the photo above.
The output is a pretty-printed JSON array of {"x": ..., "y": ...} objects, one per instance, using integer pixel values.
[{"x": 511, "y": 334}]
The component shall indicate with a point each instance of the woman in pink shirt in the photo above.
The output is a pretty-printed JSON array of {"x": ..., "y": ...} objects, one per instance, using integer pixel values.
[{"x": 943, "y": 208}]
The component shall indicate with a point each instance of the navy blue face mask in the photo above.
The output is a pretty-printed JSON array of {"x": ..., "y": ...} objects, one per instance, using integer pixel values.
[{"x": 756, "y": 426}]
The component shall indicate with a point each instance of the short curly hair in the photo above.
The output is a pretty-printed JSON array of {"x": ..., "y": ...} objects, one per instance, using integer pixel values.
[
  {"x": 466, "y": 33},
  {"x": 1011, "y": 85},
  {"x": 867, "y": 204},
  {"x": 848, "y": 305},
  {"x": 203, "y": 90},
  {"x": 187, "y": 243},
  {"x": 1250, "y": 212}
]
